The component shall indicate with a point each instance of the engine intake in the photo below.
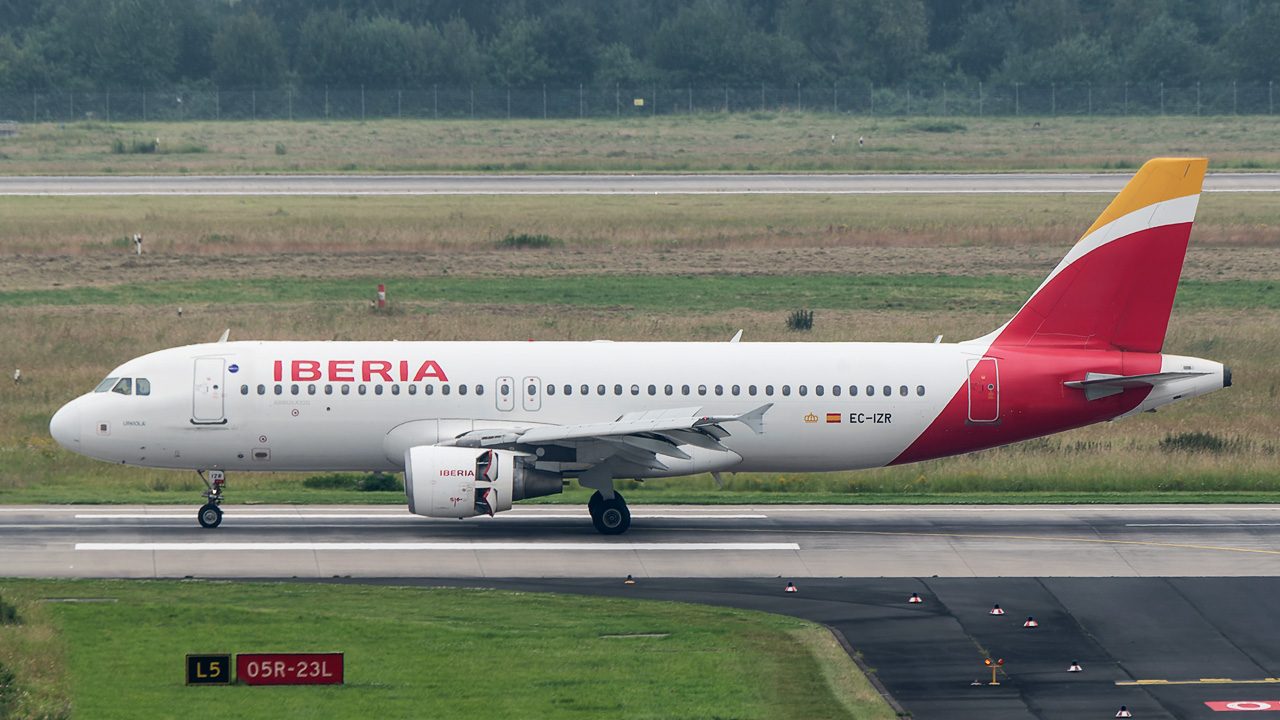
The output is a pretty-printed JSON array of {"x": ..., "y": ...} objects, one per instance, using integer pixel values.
[{"x": 459, "y": 482}]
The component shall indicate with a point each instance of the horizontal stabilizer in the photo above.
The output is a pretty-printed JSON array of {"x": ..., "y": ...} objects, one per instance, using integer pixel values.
[{"x": 1100, "y": 385}]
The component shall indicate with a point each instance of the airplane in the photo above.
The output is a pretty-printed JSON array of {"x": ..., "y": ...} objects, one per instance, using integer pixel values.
[{"x": 476, "y": 426}]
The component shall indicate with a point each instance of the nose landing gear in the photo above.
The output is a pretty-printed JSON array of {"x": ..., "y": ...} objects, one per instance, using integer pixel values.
[{"x": 210, "y": 515}]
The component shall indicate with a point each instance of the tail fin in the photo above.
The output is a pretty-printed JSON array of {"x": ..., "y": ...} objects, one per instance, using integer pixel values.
[{"x": 1114, "y": 290}]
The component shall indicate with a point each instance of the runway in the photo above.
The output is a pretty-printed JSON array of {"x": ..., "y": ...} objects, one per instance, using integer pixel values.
[
  {"x": 830, "y": 184},
  {"x": 539, "y": 541},
  {"x": 1153, "y": 602}
]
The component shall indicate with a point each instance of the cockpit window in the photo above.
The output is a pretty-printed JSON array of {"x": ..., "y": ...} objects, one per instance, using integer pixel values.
[
  {"x": 106, "y": 385},
  {"x": 142, "y": 386},
  {"x": 124, "y": 386}
]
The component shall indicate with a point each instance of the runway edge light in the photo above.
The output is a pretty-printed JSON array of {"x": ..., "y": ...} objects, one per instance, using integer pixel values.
[
  {"x": 1031, "y": 622},
  {"x": 1075, "y": 667},
  {"x": 996, "y": 610},
  {"x": 1124, "y": 712},
  {"x": 629, "y": 581},
  {"x": 915, "y": 598},
  {"x": 790, "y": 588}
]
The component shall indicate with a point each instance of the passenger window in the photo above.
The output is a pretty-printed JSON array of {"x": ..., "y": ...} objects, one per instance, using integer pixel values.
[
  {"x": 479, "y": 389},
  {"x": 244, "y": 390},
  {"x": 294, "y": 389},
  {"x": 920, "y": 390},
  {"x": 804, "y": 390},
  {"x": 395, "y": 389},
  {"x": 551, "y": 389},
  {"x": 568, "y": 389},
  {"x": 143, "y": 387},
  {"x": 428, "y": 389},
  {"x": 462, "y": 389},
  {"x": 684, "y": 389},
  {"x": 719, "y": 389},
  {"x": 617, "y": 389},
  {"x": 735, "y": 390},
  {"x": 786, "y": 390},
  {"x": 653, "y": 390},
  {"x": 871, "y": 390},
  {"x": 262, "y": 389},
  {"x": 835, "y": 390},
  {"x": 124, "y": 386},
  {"x": 444, "y": 388},
  {"x": 902, "y": 391},
  {"x": 106, "y": 385},
  {"x": 311, "y": 389},
  {"x": 346, "y": 389},
  {"x": 505, "y": 389},
  {"x": 413, "y": 389},
  {"x": 361, "y": 389},
  {"x": 668, "y": 390},
  {"x": 600, "y": 390},
  {"x": 888, "y": 391},
  {"x": 768, "y": 390},
  {"x": 702, "y": 389},
  {"x": 635, "y": 389},
  {"x": 377, "y": 389},
  {"x": 279, "y": 389},
  {"x": 853, "y": 391},
  {"x": 328, "y": 389},
  {"x": 751, "y": 390}
]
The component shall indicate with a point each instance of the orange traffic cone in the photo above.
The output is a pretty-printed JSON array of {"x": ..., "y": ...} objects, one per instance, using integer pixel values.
[
  {"x": 1031, "y": 622},
  {"x": 1124, "y": 712},
  {"x": 914, "y": 598},
  {"x": 996, "y": 610},
  {"x": 629, "y": 581},
  {"x": 1075, "y": 667},
  {"x": 790, "y": 588}
]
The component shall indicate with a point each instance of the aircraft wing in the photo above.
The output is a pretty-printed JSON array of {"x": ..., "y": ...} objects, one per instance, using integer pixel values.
[{"x": 639, "y": 438}]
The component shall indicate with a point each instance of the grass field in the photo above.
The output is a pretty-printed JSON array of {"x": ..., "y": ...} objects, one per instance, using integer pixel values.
[
  {"x": 699, "y": 143},
  {"x": 417, "y": 653}
]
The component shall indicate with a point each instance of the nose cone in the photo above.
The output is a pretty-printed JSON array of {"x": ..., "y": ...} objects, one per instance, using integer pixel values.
[{"x": 65, "y": 427}]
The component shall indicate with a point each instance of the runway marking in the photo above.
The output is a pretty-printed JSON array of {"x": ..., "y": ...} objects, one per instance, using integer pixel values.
[
  {"x": 603, "y": 546},
  {"x": 1202, "y": 525},
  {"x": 240, "y": 515},
  {"x": 1201, "y": 681},
  {"x": 999, "y": 537}
]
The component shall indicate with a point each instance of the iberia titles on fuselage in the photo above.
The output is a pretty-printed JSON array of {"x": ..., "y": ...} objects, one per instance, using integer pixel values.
[{"x": 477, "y": 425}]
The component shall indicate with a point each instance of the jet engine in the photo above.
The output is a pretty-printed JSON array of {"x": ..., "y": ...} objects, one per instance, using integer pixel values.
[{"x": 459, "y": 482}]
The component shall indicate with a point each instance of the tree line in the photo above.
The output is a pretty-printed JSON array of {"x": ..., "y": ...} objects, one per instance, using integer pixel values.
[{"x": 273, "y": 44}]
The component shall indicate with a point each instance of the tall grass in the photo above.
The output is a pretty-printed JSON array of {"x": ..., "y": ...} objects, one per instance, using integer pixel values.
[{"x": 794, "y": 142}]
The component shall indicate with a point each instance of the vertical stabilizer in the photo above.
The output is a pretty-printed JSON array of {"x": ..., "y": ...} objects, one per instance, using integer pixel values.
[{"x": 1114, "y": 290}]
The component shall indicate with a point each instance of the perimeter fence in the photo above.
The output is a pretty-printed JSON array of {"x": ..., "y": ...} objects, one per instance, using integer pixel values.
[{"x": 582, "y": 101}]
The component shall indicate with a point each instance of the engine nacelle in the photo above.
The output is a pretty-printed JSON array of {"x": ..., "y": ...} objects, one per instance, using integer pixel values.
[{"x": 459, "y": 482}]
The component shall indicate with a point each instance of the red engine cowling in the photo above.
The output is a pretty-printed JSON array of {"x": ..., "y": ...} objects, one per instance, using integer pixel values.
[{"x": 459, "y": 482}]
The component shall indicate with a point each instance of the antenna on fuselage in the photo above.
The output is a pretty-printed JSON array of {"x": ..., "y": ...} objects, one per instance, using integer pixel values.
[
  {"x": 937, "y": 340},
  {"x": 736, "y": 337},
  {"x": 225, "y": 334}
]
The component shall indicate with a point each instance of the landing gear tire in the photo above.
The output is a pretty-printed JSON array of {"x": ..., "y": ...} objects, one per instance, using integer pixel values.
[
  {"x": 210, "y": 516},
  {"x": 611, "y": 517}
]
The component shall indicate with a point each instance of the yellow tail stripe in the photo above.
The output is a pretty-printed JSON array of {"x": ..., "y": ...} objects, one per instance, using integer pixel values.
[{"x": 1158, "y": 180}]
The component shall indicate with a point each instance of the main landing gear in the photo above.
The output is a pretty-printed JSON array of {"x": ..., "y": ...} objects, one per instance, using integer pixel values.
[
  {"x": 611, "y": 517},
  {"x": 210, "y": 515}
]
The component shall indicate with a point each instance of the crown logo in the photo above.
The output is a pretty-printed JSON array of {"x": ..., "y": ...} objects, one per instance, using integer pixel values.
[{"x": 811, "y": 418}]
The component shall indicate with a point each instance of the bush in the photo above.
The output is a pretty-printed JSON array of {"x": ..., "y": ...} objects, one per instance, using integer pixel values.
[
  {"x": 133, "y": 147},
  {"x": 525, "y": 240},
  {"x": 372, "y": 482},
  {"x": 1197, "y": 442},
  {"x": 800, "y": 320},
  {"x": 8, "y": 614},
  {"x": 281, "y": 149}
]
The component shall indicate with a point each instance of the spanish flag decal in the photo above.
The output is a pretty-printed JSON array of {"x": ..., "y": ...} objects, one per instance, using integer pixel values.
[{"x": 833, "y": 417}]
